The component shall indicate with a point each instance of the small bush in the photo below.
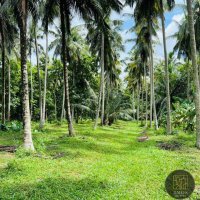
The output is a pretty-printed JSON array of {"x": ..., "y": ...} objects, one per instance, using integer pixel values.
[
  {"x": 13, "y": 126},
  {"x": 16, "y": 126},
  {"x": 3, "y": 127}
]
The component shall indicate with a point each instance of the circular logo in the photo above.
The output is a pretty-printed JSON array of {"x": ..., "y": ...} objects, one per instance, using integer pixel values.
[{"x": 180, "y": 184}]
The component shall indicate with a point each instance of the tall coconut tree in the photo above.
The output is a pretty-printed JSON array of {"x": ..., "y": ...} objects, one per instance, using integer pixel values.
[
  {"x": 113, "y": 63},
  {"x": 48, "y": 17},
  {"x": 142, "y": 52},
  {"x": 2, "y": 39},
  {"x": 21, "y": 9},
  {"x": 182, "y": 47},
  {"x": 30, "y": 47},
  {"x": 145, "y": 14},
  {"x": 100, "y": 37},
  {"x": 144, "y": 49},
  {"x": 6, "y": 26},
  {"x": 170, "y": 4},
  {"x": 10, "y": 47},
  {"x": 8, "y": 34},
  {"x": 195, "y": 69},
  {"x": 134, "y": 78},
  {"x": 35, "y": 35},
  {"x": 75, "y": 45}
]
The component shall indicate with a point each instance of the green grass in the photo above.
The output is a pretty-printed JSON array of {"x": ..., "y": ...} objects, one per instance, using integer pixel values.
[{"x": 107, "y": 163}]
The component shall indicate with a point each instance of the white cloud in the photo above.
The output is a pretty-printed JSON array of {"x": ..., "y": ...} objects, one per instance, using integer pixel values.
[{"x": 170, "y": 30}]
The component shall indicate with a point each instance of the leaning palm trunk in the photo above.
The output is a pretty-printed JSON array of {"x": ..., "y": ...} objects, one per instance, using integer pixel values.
[
  {"x": 39, "y": 80},
  {"x": 45, "y": 82},
  {"x": 169, "y": 128},
  {"x": 28, "y": 143},
  {"x": 66, "y": 83},
  {"x": 102, "y": 81},
  {"x": 3, "y": 73},
  {"x": 195, "y": 68}
]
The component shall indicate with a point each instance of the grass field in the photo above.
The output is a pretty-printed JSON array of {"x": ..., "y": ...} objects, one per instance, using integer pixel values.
[{"x": 108, "y": 163}]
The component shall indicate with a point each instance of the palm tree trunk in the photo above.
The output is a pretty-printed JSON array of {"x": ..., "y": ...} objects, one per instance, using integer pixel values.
[
  {"x": 66, "y": 81},
  {"x": 31, "y": 74},
  {"x": 63, "y": 105},
  {"x": 55, "y": 105},
  {"x": 195, "y": 68},
  {"x": 155, "y": 113},
  {"x": 138, "y": 101},
  {"x": 109, "y": 88},
  {"x": 98, "y": 107},
  {"x": 74, "y": 84},
  {"x": 146, "y": 95},
  {"x": 142, "y": 106},
  {"x": 169, "y": 128},
  {"x": 45, "y": 82},
  {"x": 152, "y": 84},
  {"x": 151, "y": 93},
  {"x": 3, "y": 73},
  {"x": 101, "y": 90},
  {"x": 102, "y": 80},
  {"x": 39, "y": 80},
  {"x": 9, "y": 92},
  {"x": 28, "y": 143},
  {"x": 133, "y": 103},
  {"x": 188, "y": 80}
]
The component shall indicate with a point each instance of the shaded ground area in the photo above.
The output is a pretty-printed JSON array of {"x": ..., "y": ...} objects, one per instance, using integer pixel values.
[{"x": 108, "y": 163}]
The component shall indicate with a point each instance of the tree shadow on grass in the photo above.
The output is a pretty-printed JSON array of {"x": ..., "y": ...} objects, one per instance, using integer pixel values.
[
  {"x": 57, "y": 188},
  {"x": 104, "y": 141},
  {"x": 79, "y": 144}
]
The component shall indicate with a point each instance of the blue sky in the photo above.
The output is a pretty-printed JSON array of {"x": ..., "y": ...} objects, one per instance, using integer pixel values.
[{"x": 171, "y": 27}]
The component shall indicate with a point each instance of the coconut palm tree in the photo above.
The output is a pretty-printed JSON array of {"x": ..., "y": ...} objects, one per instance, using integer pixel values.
[
  {"x": 142, "y": 52},
  {"x": 20, "y": 10},
  {"x": 195, "y": 68},
  {"x": 145, "y": 14},
  {"x": 8, "y": 33},
  {"x": 75, "y": 45},
  {"x": 170, "y": 4},
  {"x": 30, "y": 47},
  {"x": 2, "y": 38},
  {"x": 104, "y": 43},
  {"x": 182, "y": 36},
  {"x": 35, "y": 36},
  {"x": 48, "y": 17}
]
